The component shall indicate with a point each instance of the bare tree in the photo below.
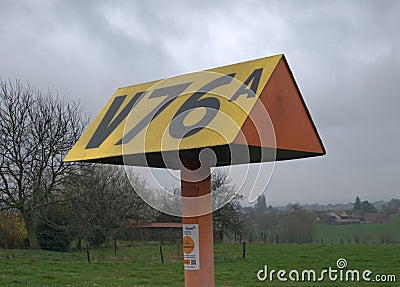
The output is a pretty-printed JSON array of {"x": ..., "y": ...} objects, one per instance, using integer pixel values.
[
  {"x": 228, "y": 218},
  {"x": 102, "y": 197},
  {"x": 36, "y": 131},
  {"x": 260, "y": 207},
  {"x": 298, "y": 227}
]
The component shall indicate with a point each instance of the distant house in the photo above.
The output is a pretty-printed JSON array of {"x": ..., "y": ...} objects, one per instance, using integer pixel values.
[
  {"x": 328, "y": 217},
  {"x": 337, "y": 217},
  {"x": 358, "y": 214},
  {"x": 163, "y": 225},
  {"x": 377, "y": 217},
  {"x": 156, "y": 231}
]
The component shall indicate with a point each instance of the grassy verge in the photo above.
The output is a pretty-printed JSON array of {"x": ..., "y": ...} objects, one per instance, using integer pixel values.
[
  {"x": 141, "y": 265},
  {"x": 376, "y": 233}
]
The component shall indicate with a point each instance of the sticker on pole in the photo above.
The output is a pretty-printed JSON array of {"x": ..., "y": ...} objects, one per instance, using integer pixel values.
[{"x": 191, "y": 256}]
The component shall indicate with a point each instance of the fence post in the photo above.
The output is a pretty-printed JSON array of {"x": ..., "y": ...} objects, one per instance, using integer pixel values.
[
  {"x": 87, "y": 252},
  {"x": 161, "y": 254}
]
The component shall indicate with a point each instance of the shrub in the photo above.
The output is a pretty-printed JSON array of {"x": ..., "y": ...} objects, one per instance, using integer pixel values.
[
  {"x": 53, "y": 232},
  {"x": 12, "y": 230},
  {"x": 97, "y": 237},
  {"x": 53, "y": 238}
]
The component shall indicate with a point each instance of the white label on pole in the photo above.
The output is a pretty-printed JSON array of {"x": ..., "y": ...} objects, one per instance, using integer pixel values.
[{"x": 191, "y": 252}]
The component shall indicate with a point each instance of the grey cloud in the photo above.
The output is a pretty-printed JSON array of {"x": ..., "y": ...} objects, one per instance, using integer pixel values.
[{"x": 344, "y": 55}]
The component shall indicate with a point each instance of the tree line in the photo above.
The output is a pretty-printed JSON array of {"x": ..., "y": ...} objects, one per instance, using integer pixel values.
[
  {"x": 46, "y": 200},
  {"x": 38, "y": 191},
  {"x": 51, "y": 203}
]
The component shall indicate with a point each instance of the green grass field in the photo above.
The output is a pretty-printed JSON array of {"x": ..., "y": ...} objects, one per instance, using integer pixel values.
[
  {"x": 366, "y": 233},
  {"x": 141, "y": 265}
]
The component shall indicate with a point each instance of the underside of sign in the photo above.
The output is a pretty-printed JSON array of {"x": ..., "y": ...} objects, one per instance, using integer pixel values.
[{"x": 244, "y": 113}]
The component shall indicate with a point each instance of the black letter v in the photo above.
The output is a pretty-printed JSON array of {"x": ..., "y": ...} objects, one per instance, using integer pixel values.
[{"x": 106, "y": 127}]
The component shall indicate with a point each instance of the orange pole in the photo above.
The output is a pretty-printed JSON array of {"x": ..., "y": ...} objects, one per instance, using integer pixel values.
[{"x": 192, "y": 187}]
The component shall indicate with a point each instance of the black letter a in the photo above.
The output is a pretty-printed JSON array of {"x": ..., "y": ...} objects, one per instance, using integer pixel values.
[{"x": 254, "y": 78}]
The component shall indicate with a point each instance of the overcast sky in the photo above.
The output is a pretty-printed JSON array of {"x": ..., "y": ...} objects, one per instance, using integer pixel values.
[{"x": 345, "y": 56}]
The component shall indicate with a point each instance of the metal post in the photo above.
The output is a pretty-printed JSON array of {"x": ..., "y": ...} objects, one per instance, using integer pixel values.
[{"x": 194, "y": 185}]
